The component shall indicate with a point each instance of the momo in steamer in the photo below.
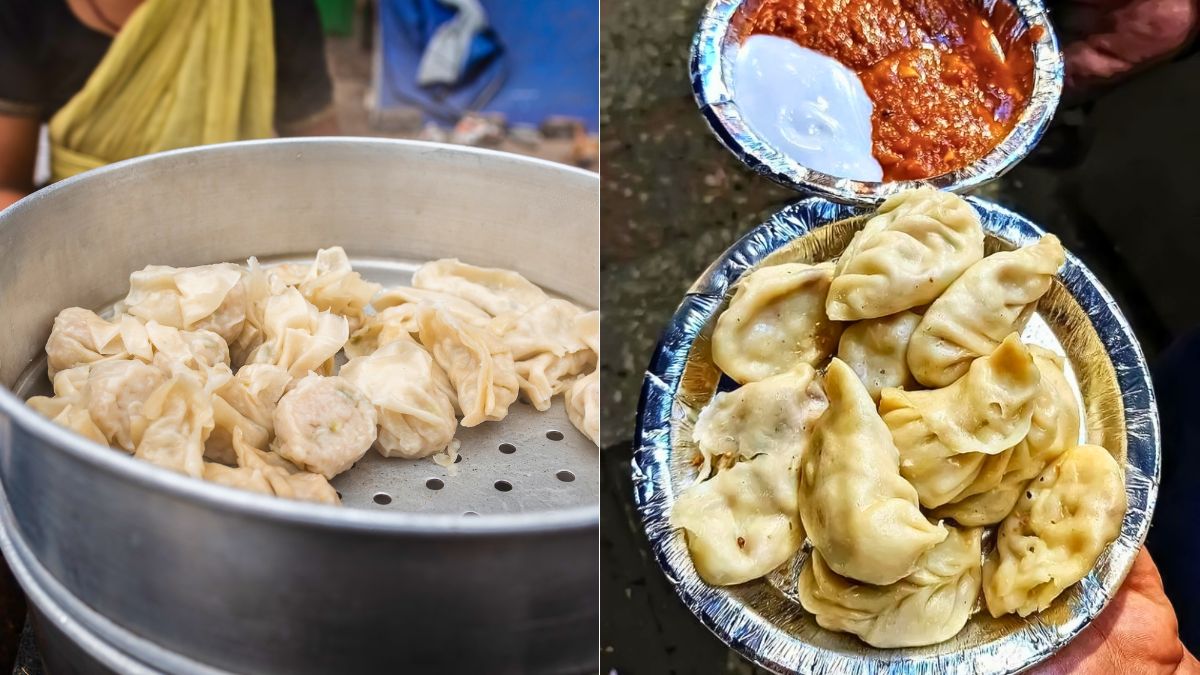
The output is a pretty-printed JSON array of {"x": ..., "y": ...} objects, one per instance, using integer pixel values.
[{"x": 395, "y": 205}]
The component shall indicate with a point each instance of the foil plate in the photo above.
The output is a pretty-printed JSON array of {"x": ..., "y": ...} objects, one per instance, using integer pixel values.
[
  {"x": 761, "y": 619},
  {"x": 714, "y": 50}
]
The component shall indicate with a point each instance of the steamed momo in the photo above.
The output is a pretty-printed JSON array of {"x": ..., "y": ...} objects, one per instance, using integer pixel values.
[
  {"x": 929, "y": 606},
  {"x": 247, "y": 376},
  {"x": 587, "y": 328},
  {"x": 200, "y": 352},
  {"x": 416, "y": 419},
  {"x": 544, "y": 376},
  {"x": 583, "y": 405},
  {"x": 268, "y": 474},
  {"x": 393, "y": 323},
  {"x": 332, "y": 285},
  {"x": 946, "y": 435},
  {"x": 989, "y": 301},
  {"x": 775, "y": 322},
  {"x": 413, "y": 298},
  {"x": 323, "y": 425},
  {"x": 479, "y": 366},
  {"x": 547, "y": 349},
  {"x": 769, "y": 416},
  {"x": 1054, "y": 428},
  {"x": 209, "y": 297},
  {"x": 742, "y": 523},
  {"x": 877, "y": 350},
  {"x": 496, "y": 291},
  {"x": 68, "y": 407},
  {"x": 857, "y": 509},
  {"x": 905, "y": 256},
  {"x": 548, "y": 327},
  {"x": 1058, "y": 530},
  {"x": 298, "y": 337},
  {"x": 117, "y": 391},
  {"x": 396, "y": 317},
  {"x": 80, "y": 337},
  {"x": 175, "y": 421},
  {"x": 245, "y": 403}
]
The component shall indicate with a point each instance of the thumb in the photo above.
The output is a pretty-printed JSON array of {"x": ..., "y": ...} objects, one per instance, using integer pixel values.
[{"x": 1136, "y": 633}]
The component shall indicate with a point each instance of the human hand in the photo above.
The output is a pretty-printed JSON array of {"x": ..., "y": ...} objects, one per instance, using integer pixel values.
[
  {"x": 1118, "y": 37},
  {"x": 1137, "y": 633}
]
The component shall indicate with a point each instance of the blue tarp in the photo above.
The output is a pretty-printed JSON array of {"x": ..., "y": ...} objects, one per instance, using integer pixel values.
[{"x": 538, "y": 58}]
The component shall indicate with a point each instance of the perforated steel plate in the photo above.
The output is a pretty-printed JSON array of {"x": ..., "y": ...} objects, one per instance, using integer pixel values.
[{"x": 530, "y": 461}]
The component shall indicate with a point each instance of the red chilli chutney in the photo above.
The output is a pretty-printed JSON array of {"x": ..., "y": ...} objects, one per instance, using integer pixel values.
[{"x": 947, "y": 80}]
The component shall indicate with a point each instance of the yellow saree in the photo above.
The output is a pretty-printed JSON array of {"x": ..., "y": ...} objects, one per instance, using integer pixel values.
[{"x": 179, "y": 73}]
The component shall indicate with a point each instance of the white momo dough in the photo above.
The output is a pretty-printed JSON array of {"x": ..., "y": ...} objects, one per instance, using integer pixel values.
[
  {"x": 929, "y": 606},
  {"x": 774, "y": 415},
  {"x": 877, "y": 351},
  {"x": 906, "y": 255},
  {"x": 857, "y": 509},
  {"x": 946, "y": 435},
  {"x": 775, "y": 322},
  {"x": 988, "y": 302},
  {"x": 1057, "y": 531},
  {"x": 743, "y": 522}
]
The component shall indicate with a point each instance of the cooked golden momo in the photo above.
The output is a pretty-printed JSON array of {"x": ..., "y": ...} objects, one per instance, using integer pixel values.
[
  {"x": 877, "y": 350},
  {"x": 769, "y": 416},
  {"x": 742, "y": 523},
  {"x": 992, "y": 299},
  {"x": 905, "y": 256},
  {"x": 857, "y": 509},
  {"x": 929, "y": 606},
  {"x": 775, "y": 322},
  {"x": 946, "y": 435},
  {"x": 1057, "y": 531},
  {"x": 1053, "y": 429}
]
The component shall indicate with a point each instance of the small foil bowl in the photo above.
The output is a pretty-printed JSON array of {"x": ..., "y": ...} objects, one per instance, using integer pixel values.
[
  {"x": 714, "y": 49},
  {"x": 762, "y": 619}
]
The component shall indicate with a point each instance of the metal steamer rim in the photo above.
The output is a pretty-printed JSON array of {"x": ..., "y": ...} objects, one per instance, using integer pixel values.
[
  {"x": 533, "y": 472},
  {"x": 758, "y": 619},
  {"x": 715, "y": 46}
]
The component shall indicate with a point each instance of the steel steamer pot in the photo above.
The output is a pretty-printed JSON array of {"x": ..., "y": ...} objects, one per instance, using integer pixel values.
[{"x": 131, "y": 568}]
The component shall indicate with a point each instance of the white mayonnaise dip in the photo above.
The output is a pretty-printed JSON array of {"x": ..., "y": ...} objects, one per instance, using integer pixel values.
[{"x": 807, "y": 105}]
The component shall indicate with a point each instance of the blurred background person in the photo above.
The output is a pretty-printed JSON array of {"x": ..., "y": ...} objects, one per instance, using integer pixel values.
[
  {"x": 113, "y": 79},
  {"x": 105, "y": 80}
]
